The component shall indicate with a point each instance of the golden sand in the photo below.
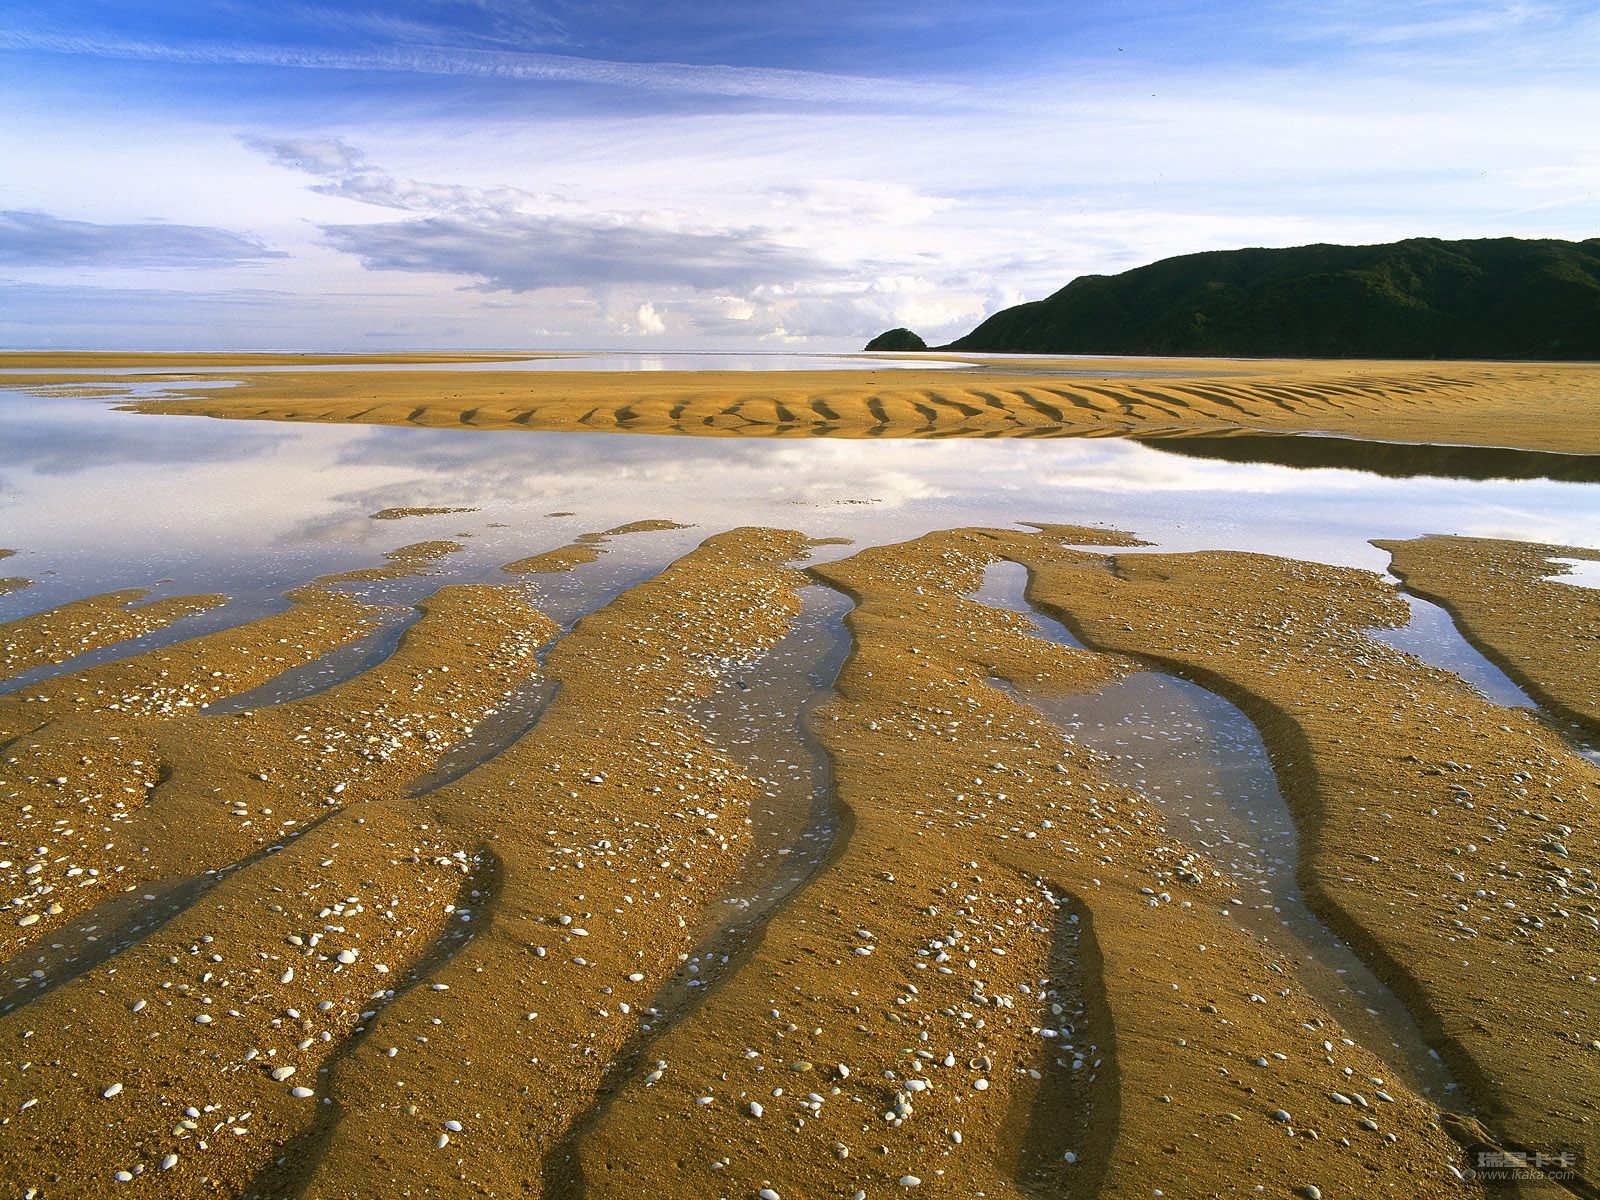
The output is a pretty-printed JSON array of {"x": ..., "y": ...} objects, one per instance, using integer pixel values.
[
  {"x": 1535, "y": 406},
  {"x": 255, "y": 922}
]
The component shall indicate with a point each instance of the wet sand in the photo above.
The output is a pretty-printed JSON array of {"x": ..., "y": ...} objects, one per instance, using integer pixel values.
[
  {"x": 606, "y": 901},
  {"x": 1533, "y": 406},
  {"x": 249, "y": 956}
]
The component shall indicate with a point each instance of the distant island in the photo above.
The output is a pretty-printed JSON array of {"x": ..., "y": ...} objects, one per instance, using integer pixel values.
[
  {"x": 1491, "y": 298},
  {"x": 897, "y": 339}
]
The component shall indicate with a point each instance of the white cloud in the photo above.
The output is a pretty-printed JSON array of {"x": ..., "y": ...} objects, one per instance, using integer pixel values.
[{"x": 649, "y": 320}]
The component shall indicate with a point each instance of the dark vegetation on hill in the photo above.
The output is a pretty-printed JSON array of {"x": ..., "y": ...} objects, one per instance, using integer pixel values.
[
  {"x": 1497, "y": 298},
  {"x": 897, "y": 339}
]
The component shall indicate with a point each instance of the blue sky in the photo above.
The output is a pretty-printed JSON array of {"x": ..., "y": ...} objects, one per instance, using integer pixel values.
[{"x": 496, "y": 173}]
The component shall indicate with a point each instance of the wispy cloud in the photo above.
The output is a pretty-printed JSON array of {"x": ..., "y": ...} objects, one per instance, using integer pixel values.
[
  {"x": 351, "y": 176},
  {"x": 38, "y": 239},
  {"x": 767, "y": 83}
]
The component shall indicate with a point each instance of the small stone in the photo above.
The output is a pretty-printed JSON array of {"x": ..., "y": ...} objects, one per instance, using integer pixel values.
[
  {"x": 301, "y": 1093},
  {"x": 1340, "y": 1098},
  {"x": 348, "y": 956},
  {"x": 1310, "y": 1191},
  {"x": 123, "y": 1176},
  {"x": 755, "y": 1109},
  {"x": 442, "y": 1140},
  {"x": 453, "y": 1126},
  {"x": 1281, "y": 1115},
  {"x": 169, "y": 1162},
  {"x": 768, "y": 1194},
  {"x": 203, "y": 1019},
  {"x": 980, "y": 1085},
  {"x": 910, "y": 1181},
  {"x": 114, "y": 1090},
  {"x": 281, "y": 1073}
]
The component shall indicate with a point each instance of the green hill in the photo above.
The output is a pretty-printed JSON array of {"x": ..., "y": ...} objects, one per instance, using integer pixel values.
[{"x": 1420, "y": 298}]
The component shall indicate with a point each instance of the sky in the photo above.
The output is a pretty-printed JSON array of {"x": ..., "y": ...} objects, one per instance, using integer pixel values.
[{"x": 716, "y": 174}]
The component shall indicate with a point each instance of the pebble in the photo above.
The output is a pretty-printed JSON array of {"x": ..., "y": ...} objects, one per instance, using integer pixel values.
[
  {"x": 980, "y": 1085},
  {"x": 910, "y": 1181},
  {"x": 755, "y": 1109},
  {"x": 1311, "y": 1192},
  {"x": 281, "y": 1073},
  {"x": 114, "y": 1090},
  {"x": 768, "y": 1194},
  {"x": 453, "y": 1126},
  {"x": 169, "y": 1162},
  {"x": 301, "y": 1093},
  {"x": 348, "y": 956},
  {"x": 1340, "y": 1098},
  {"x": 1281, "y": 1115}
]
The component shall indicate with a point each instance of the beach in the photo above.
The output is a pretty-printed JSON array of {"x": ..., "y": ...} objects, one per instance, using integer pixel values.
[{"x": 514, "y": 850}]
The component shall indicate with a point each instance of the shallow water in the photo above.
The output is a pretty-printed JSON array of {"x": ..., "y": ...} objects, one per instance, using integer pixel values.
[
  {"x": 1203, "y": 763},
  {"x": 93, "y": 498}
]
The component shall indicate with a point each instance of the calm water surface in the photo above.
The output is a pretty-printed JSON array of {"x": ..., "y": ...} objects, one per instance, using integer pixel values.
[{"x": 92, "y": 498}]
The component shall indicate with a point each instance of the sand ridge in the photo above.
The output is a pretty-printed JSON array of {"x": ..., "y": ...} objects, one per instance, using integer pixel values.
[{"x": 1535, "y": 406}]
